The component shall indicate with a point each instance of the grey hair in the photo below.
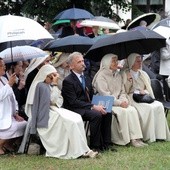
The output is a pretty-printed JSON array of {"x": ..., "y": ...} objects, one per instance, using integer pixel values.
[{"x": 72, "y": 56}]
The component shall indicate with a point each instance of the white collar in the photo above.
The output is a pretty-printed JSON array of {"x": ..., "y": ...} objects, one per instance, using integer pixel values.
[{"x": 135, "y": 74}]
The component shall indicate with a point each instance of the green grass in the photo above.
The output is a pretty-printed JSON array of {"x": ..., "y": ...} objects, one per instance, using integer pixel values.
[{"x": 154, "y": 157}]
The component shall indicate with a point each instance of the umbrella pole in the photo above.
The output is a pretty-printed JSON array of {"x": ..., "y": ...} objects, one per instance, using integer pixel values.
[{"x": 11, "y": 56}]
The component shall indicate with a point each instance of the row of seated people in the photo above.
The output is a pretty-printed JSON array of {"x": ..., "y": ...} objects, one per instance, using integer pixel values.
[{"x": 134, "y": 122}]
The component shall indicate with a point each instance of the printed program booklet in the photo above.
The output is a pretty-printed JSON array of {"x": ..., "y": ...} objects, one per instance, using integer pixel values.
[{"x": 106, "y": 101}]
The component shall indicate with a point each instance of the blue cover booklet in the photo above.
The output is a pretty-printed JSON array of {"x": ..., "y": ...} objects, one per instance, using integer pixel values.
[{"x": 106, "y": 101}]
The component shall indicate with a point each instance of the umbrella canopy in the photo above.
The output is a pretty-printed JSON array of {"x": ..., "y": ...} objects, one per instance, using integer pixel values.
[
  {"x": 61, "y": 22},
  {"x": 100, "y": 21},
  {"x": 150, "y": 18},
  {"x": 73, "y": 14},
  {"x": 22, "y": 53},
  {"x": 165, "y": 22},
  {"x": 9, "y": 44},
  {"x": 14, "y": 28},
  {"x": 101, "y": 37},
  {"x": 125, "y": 43},
  {"x": 163, "y": 30},
  {"x": 70, "y": 44}
]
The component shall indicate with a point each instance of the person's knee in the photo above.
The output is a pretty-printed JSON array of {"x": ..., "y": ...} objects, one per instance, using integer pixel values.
[{"x": 97, "y": 115}]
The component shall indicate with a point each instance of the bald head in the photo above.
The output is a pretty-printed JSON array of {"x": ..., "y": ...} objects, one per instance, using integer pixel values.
[{"x": 143, "y": 23}]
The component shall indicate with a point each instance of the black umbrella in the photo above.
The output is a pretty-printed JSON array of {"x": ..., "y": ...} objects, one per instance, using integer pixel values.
[
  {"x": 70, "y": 44},
  {"x": 125, "y": 43},
  {"x": 150, "y": 18},
  {"x": 73, "y": 14},
  {"x": 165, "y": 22}
]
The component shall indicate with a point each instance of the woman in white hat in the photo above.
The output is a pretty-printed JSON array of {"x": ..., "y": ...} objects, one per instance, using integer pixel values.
[{"x": 62, "y": 68}]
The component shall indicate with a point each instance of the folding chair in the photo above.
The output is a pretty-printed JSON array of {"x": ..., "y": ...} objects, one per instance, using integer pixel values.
[{"x": 159, "y": 95}]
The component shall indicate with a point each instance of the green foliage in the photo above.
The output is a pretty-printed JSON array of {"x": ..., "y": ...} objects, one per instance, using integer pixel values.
[{"x": 46, "y": 10}]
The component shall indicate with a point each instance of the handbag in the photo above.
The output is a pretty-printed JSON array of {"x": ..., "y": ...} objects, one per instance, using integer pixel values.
[{"x": 142, "y": 98}]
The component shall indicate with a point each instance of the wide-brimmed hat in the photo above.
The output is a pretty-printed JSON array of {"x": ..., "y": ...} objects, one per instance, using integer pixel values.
[{"x": 61, "y": 59}]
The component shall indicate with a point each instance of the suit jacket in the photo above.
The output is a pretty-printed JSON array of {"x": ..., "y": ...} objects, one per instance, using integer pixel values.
[{"x": 75, "y": 98}]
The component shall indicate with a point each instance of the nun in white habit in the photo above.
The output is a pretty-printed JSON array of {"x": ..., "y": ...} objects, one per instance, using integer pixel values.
[
  {"x": 108, "y": 82},
  {"x": 60, "y": 130},
  {"x": 152, "y": 117}
]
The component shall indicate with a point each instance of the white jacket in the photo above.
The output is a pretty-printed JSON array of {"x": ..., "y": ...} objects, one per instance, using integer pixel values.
[
  {"x": 8, "y": 104},
  {"x": 168, "y": 81},
  {"x": 165, "y": 59}
]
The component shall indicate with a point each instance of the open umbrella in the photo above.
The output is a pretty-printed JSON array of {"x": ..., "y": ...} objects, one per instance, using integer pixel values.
[
  {"x": 17, "y": 28},
  {"x": 164, "y": 22},
  {"x": 163, "y": 30},
  {"x": 61, "y": 22},
  {"x": 100, "y": 21},
  {"x": 22, "y": 53},
  {"x": 14, "y": 28},
  {"x": 150, "y": 18},
  {"x": 125, "y": 43},
  {"x": 70, "y": 44},
  {"x": 73, "y": 14}
]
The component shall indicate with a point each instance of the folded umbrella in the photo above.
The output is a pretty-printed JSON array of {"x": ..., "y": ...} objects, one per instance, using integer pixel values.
[{"x": 125, "y": 43}]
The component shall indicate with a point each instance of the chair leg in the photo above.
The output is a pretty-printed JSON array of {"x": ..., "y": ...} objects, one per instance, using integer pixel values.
[
  {"x": 166, "y": 112},
  {"x": 86, "y": 127},
  {"x": 26, "y": 139}
]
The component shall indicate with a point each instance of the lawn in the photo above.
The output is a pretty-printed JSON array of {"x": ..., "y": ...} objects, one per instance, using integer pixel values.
[{"x": 156, "y": 156}]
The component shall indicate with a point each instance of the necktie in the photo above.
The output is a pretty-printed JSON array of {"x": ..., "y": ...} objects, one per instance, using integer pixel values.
[{"x": 83, "y": 81}]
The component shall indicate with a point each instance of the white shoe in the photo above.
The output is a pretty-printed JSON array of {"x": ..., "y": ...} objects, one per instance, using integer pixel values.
[
  {"x": 136, "y": 144},
  {"x": 142, "y": 143},
  {"x": 90, "y": 154}
]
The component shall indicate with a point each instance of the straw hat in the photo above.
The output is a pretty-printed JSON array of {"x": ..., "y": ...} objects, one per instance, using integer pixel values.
[{"x": 62, "y": 58}]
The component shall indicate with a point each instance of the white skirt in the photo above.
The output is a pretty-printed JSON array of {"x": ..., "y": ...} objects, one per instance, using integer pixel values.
[
  {"x": 153, "y": 121},
  {"x": 126, "y": 127},
  {"x": 15, "y": 130},
  {"x": 65, "y": 136}
]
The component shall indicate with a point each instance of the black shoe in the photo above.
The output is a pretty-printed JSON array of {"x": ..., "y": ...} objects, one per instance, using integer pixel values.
[
  {"x": 96, "y": 149},
  {"x": 110, "y": 148}
]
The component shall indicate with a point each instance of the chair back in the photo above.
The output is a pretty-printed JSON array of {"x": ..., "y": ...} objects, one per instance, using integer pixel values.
[
  {"x": 157, "y": 89},
  {"x": 167, "y": 91}
]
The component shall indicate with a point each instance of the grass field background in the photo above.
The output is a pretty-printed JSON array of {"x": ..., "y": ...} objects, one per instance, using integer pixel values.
[{"x": 156, "y": 156}]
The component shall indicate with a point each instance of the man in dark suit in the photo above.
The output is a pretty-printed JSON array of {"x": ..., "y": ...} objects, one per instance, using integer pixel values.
[{"x": 78, "y": 99}]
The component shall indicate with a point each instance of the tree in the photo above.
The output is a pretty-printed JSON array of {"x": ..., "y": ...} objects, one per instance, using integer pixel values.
[{"x": 46, "y": 10}]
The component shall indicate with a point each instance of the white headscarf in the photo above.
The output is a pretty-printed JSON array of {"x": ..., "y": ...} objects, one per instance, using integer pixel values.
[
  {"x": 34, "y": 64},
  {"x": 130, "y": 62},
  {"x": 40, "y": 77},
  {"x": 105, "y": 64}
]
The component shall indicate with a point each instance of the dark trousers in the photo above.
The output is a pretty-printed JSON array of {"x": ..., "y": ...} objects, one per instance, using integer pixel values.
[{"x": 100, "y": 128}]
